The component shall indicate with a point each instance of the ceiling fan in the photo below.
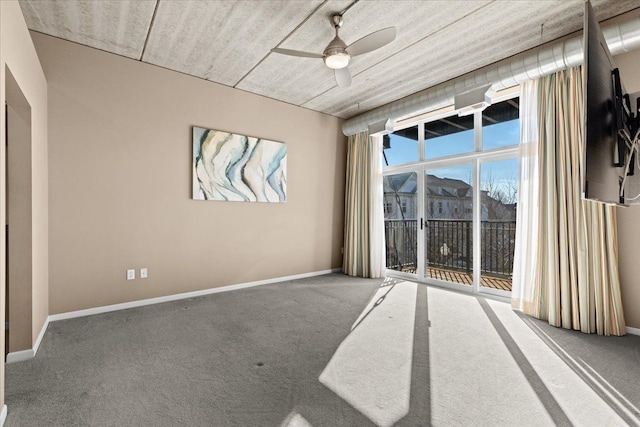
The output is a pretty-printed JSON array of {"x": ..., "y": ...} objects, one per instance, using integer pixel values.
[{"x": 337, "y": 54}]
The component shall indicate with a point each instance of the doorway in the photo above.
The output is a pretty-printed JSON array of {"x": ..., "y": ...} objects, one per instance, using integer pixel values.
[{"x": 18, "y": 220}]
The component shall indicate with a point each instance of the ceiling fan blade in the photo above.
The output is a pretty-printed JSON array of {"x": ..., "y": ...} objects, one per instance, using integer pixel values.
[
  {"x": 343, "y": 77},
  {"x": 292, "y": 52},
  {"x": 372, "y": 42}
]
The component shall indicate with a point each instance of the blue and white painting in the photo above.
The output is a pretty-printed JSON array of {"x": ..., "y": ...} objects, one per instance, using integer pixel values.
[{"x": 227, "y": 166}]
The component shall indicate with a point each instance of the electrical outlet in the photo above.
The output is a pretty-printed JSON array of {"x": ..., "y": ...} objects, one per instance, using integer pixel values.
[
  {"x": 143, "y": 273},
  {"x": 131, "y": 274}
]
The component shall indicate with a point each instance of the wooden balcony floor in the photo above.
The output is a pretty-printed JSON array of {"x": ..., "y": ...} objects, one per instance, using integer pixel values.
[{"x": 465, "y": 279}]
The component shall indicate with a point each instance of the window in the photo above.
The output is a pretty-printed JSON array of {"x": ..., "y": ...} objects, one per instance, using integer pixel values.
[
  {"x": 400, "y": 229},
  {"x": 449, "y": 136},
  {"x": 501, "y": 125},
  {"x": 499, "y": 189},
  {"x": 400, "y": 147},
  {"x": 465, "y": 177}
]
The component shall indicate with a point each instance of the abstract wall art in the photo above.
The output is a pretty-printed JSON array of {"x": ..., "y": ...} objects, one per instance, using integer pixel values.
[{"x": 232, "y": 167}]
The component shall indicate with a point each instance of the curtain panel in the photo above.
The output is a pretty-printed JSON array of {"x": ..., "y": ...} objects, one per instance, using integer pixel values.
[
  {"x": 526, "y": 252},
  {"x": 574, "y": 282},
  {"x": 364, "y": 219}
]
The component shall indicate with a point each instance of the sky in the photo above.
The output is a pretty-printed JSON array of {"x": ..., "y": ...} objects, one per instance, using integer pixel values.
[{"x": 404, "y": 150}]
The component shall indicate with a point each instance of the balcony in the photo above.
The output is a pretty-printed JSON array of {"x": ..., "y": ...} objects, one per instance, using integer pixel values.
[{"x": 449, "y": 250}]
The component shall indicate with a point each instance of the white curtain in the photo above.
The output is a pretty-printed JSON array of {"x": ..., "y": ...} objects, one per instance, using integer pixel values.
[
  {"x": 377, "y": 253},
  {"x": 364, "y": 218},
  {"x": 526, "y": 250}
]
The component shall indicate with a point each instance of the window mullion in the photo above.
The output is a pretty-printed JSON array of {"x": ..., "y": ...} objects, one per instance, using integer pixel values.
[
  {"x": 477, "y": 131},
  {"x": 421, "y": 156},
  {"x": 477, "y": 203}
]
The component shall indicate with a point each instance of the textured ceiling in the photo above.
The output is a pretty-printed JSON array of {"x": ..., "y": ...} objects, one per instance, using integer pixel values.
[{"x": 229, "y": 42}]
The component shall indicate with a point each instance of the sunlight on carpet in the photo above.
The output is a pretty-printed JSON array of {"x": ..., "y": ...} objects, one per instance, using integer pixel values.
[
  {"x": 295, "y": 420},
  {"x": 371, "y": 370}
]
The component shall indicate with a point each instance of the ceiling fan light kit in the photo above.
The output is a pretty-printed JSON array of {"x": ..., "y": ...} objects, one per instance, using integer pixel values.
[
  {"x": 337, "y": 54},
  {"x": 337, "y": 60}
]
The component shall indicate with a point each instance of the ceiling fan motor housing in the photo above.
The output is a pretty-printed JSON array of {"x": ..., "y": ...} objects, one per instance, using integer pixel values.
[{"x": 335, "y": 55}]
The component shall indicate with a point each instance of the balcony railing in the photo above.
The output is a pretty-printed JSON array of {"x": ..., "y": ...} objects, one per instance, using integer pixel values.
[{"x": 449, "y": 245}]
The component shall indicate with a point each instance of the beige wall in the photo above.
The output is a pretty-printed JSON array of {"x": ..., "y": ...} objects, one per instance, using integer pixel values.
[
  {"x": 629, "y": 218},
  {"x": 18, "y": 55},
  {"x": 120, "y": 183}
]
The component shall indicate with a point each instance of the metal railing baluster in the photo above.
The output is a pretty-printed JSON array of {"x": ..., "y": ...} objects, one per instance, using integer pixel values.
[{"x": 497, "y": 245}]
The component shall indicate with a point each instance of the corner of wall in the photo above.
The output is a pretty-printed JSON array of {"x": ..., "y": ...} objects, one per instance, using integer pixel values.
[{"x": 17, "y": 53}]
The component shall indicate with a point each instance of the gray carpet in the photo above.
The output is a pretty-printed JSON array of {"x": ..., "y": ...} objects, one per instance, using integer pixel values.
[
  {"x": 323, "y": 351},
  {"x": 241, "y": 358},
  {"x": 609, "y": 365}
]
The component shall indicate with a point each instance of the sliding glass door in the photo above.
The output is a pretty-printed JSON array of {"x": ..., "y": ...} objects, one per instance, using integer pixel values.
[
  {"x": 401, "y": 221},
  {"x": 499, "y": 183},
  {"x": 450, "y": 191},
  {"x": 448, "y": 232}
]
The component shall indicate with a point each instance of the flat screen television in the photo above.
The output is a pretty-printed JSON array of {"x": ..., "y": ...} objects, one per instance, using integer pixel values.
[{"x": 605, "y": 152}]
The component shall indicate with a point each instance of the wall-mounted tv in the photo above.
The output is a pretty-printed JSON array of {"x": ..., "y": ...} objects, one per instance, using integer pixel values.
[{"x": 605, "y": 150}]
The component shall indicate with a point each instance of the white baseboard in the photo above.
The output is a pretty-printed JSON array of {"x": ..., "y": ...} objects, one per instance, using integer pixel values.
[
  {"x": 19, "y": 356},
  {"x": 176, "y": 297},
  {"x": 633, "y": 331},
  {"x": 3, "y": 415},
  {"x": 36, "y": 346}
]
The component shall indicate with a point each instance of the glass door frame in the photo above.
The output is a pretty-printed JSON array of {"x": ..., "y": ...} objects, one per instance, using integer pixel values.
[{"x": 421, "y": 167}]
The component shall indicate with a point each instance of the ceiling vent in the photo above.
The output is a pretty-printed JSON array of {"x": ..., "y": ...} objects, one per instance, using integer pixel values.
[
  {"x": 472, "y": 100},
  {"x": 381, "y": 127}
]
